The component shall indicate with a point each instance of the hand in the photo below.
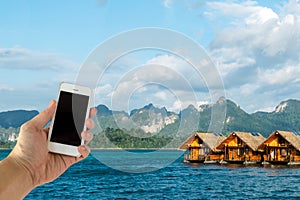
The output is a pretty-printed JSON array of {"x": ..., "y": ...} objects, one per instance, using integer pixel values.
[{"x": 31, "y": 150}]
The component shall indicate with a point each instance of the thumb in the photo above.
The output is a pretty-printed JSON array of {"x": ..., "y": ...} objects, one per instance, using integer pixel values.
[{"x": 43, "y": 117}]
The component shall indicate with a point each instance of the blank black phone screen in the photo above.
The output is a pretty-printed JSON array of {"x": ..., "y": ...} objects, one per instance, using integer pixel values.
[{"x": 69, "y": 118}]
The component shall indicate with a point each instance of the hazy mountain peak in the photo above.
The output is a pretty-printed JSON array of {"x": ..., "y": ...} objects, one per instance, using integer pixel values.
[
  {"x": 291, "y": 105},
  {"x": 146, "y": 107},
  {"x": 281, "y": 107},
  {"x": 149, "y": 106},
  {"x": 189, "y": 111},
  {"x": 222, "y": 100},
  {"x": 103, "y": 110},
  {"x": 191, "y": 107},
  {"x": 16, "y": 118},
  {"x": 152, "y": 119}
]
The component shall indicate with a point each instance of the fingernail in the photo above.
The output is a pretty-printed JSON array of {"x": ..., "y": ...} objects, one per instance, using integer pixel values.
[{"x": 50, "y": 103}]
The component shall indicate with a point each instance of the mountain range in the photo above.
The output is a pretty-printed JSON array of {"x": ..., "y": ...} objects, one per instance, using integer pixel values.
[
  {"x": 151, "y": 120},
  {"x": 286, "y": 116},
  {"x": 16, "y": 118}
]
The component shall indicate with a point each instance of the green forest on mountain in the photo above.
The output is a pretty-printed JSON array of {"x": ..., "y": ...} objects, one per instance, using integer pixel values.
[{"x": 107, "y": 134}]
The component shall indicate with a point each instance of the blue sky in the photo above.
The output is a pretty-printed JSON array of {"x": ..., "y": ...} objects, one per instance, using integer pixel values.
[{"x": 254, "y": 44}]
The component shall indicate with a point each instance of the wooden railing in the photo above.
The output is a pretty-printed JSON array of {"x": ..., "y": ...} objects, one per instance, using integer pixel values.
[
  {"x": 283, "y": 158},
  {"x": 188, "y": 157}
]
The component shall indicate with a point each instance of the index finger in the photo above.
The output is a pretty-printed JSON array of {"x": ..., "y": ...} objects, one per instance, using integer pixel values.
[{"x": 43, "y": 117}]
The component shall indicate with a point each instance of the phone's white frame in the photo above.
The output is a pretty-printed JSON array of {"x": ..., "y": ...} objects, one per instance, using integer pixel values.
[{"x": 64, "y": 148}]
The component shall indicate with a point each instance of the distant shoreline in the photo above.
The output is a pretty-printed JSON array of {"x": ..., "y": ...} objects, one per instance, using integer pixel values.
[
  {"x": 117, "y": 149},
  {"x": 133, "y": 149}
]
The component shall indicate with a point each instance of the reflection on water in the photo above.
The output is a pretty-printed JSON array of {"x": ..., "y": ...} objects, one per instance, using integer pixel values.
[{"x": 91, "y": 179}]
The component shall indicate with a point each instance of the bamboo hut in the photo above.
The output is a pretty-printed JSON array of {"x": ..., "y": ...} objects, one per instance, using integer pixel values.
[
  {"x": 202, "y": 147},
  {"x": 282, "y": 147},
  {"x": 242, "y": 147}
]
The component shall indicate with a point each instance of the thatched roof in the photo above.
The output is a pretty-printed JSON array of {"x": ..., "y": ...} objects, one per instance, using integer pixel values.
[
  {"x": 253, "y": 140},
  {"x": 292, "y": 137},
  {"x": 212, "y": 140}
]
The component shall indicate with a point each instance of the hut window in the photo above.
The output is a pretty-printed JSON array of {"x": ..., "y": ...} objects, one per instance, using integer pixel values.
[
  {"x": 206, "y": 150},
  {"x": 247, "y": 151},
  {"x": 240, "y": 152},
  {"x": 201, "y": 151},
  {"x": 298, "y": 153},
  {"x": 283, "y": 152}
]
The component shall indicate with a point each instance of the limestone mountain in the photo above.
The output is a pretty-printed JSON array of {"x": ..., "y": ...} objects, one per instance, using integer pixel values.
[
  {"x": 286, "y": 116},
  {"x": 153, "y": 120},
  {"x": 16, "y": 118},
  {"x": 149, "y": 118}
]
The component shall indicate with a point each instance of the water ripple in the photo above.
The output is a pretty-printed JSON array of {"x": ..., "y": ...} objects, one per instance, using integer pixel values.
[{"x": 92, "y": 180}]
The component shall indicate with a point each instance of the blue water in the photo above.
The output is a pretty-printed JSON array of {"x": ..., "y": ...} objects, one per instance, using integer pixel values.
[{"x": 90, "y": 179}]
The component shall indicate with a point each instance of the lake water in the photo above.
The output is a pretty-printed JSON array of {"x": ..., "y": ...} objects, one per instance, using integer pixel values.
[{"x": 90, "y": 179}]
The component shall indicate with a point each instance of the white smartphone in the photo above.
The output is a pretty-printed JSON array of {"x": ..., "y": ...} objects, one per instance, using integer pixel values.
[{"x": 72, "y": 110}]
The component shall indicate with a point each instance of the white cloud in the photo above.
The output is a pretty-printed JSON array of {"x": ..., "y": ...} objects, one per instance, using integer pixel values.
[
  {"x": 32, "y": 75},
  {"x": 167, "y": 73},
  {"x": 249, "y": 10},
  {"x": 161, "y": 80},
  {"x": 179, "y": 105},
  {"x": 103, "y": 89},
  {"x": 260, "y": 15},
  {"x": 187, "y": 73},
  {"x": 260, "y": 34},
  {"x": 249, "y": 89},
  {"x": 292, "y": 6},
  {"x": 231, "y": 59},
  {"x": 257, "y": 51},
  {"x": 137, "y": 80},
  {"x": 282, "y": 76},
  {"x": 4, "y": 87},
  {"x": 167, "y": 3},
  {"x": 161, "y": 95},
  {"x": 22, "y": 58},
  {"x": 262, "y": 38},
  {"x": 266, "y": 109}
]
